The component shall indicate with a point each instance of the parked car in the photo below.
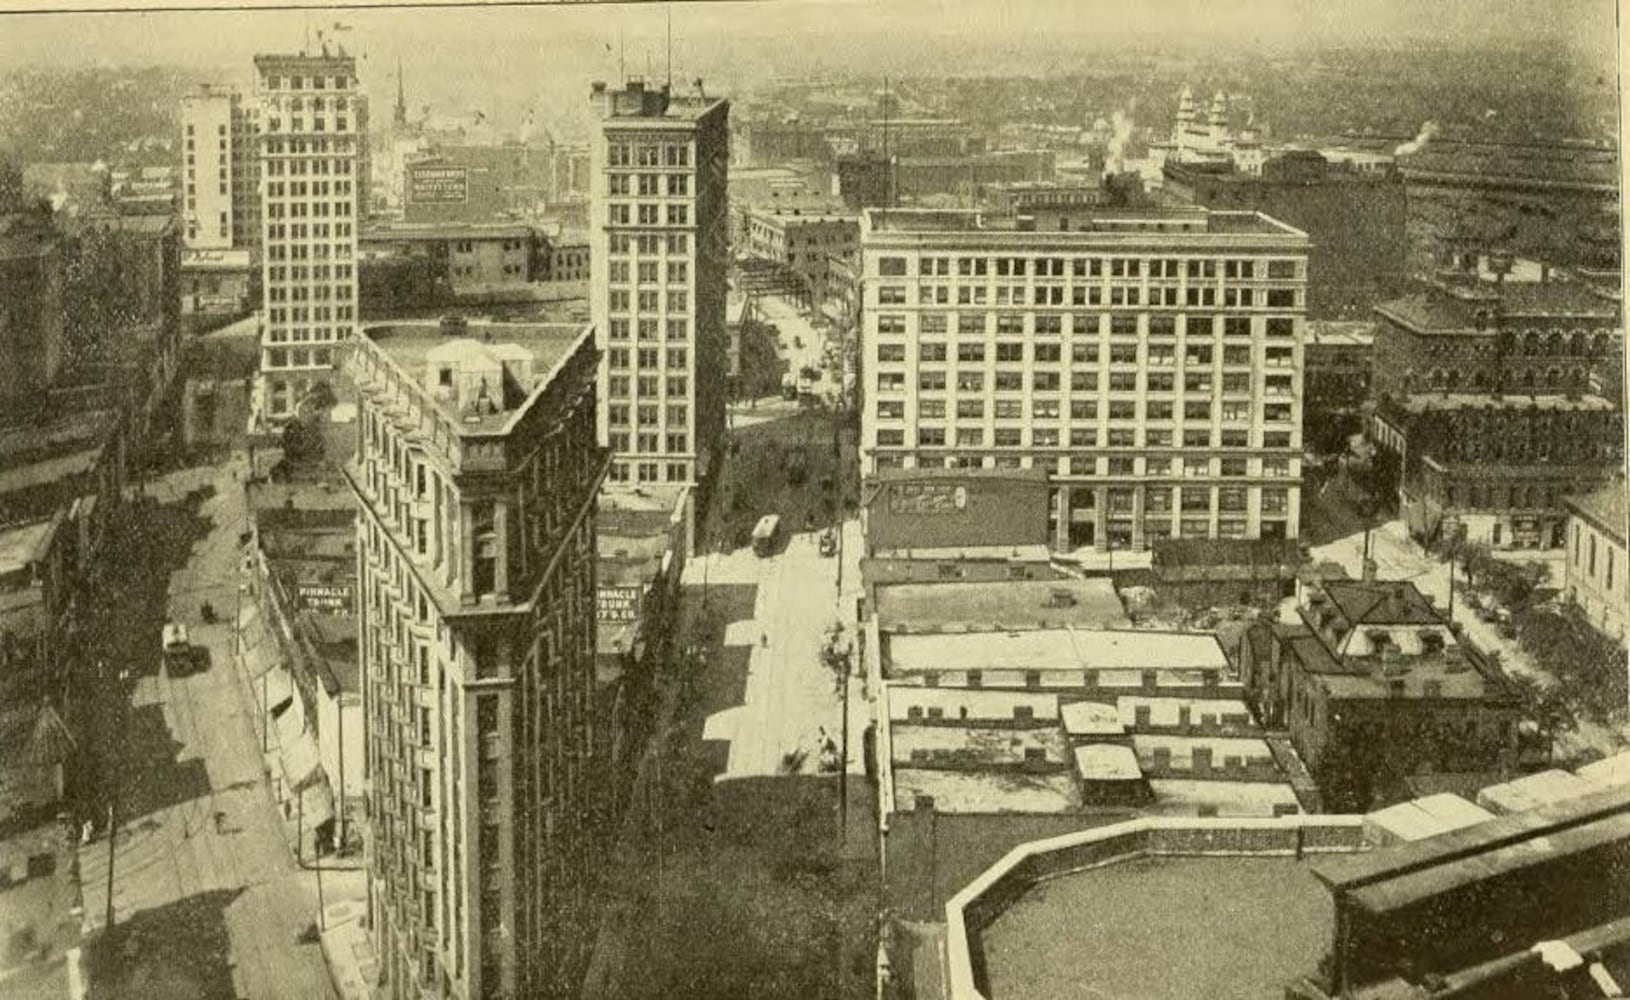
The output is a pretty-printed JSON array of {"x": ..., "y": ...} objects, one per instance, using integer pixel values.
[
  {"x": 177, "y": 645},
  {"x": 829, "y": 542}
]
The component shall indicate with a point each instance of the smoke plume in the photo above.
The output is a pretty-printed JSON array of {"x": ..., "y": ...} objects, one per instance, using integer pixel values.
[{"x": 1428, "y": 130}]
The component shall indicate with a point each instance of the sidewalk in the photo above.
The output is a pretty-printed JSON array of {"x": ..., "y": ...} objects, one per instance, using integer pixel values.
[{"x": 348, "y": 948}]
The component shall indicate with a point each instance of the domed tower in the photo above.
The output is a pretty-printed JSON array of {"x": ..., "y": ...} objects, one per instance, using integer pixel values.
[
  {"x": 1185, "y": 118},
  {"x": 1219, "y": 120}
]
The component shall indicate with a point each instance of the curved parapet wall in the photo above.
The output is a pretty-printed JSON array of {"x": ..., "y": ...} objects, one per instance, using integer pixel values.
[{"x": 976, "y": 907}]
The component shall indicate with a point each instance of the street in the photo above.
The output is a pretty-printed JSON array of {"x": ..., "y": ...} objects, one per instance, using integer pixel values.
[
  {"x": 790, "y": 694},
  {"x": 207, "y": 899}
]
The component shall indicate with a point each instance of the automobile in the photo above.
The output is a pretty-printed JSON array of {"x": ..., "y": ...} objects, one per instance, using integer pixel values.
[
  {"x": 829, "y": 542},
  {"x": 177, "y": 643},
  {"x": 798, "y": 343},
  {"x": 454, "y": 325}
]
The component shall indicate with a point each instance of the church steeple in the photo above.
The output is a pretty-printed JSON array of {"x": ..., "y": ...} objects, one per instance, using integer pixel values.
[{"x": 401, "y": 97}]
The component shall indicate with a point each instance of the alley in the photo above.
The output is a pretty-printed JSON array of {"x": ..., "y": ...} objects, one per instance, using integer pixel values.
[{"x": 207, "y": 899}]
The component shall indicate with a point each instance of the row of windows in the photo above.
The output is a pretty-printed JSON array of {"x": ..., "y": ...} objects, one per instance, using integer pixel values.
[
  {"x": 313, "y": 82},
  {"x": 647, "y": 414},
  {"x": 676, "y": 272},
  {"x": 649, "y": 329},
  {"x": 298, "y": 189},
  {"x": 647, "y": 244},
  {"x": 1086, "y": 437},
  {"x": 650, "y": 386},
  {"x": 301, "y": 209},
  {"x": 303, "y": 231},
  {"x": 648, "y": 443},
  {"x": 298, "y": 124},
  {"x": 1012, "y": 380},
  {"x": 648, "y": 214},
  {"x": 1126, "y": 437},
  {"x": 313, "y": 103},
  {"x": 618, "y": 300},
  {"x": 1090, "y": 267},
  {"x": 1084, "y": 353},
  {"x": 623, "y": 154},
  {"x": 1230, "y": 410},
  {"x": 300, "y": 272},
  {"x": 300, "y": 168},
  {"x": 648, "y": 185},
  {"x": 315, "y": 251},
  {"x": 647, "y": 357},
  {"x": 1114, "y": 295},
  {"x": 302, "y": 314},
  {"x": 1090, "y": 324},
  {"x": 315, "y": 334},
  {"x": 649, "y": 472},
  {"x": 301, "y": 147},
  {"x": 299, "y": 357}
]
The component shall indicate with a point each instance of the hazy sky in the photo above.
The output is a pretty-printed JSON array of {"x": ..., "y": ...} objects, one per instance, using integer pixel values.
[{"x": 505, "y": 59}]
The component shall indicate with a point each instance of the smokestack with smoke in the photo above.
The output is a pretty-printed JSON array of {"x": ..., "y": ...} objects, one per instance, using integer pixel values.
[
  {"x": 1120, "y": 130},
  {"x": 1428, "y": 130}
]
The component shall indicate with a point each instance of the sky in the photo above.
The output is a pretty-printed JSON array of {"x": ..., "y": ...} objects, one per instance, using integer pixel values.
[{"x": 506, "y": 59}]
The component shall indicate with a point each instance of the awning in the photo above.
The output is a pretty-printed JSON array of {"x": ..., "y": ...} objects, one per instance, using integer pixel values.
[
  {"x": 298, "y": 755},
  {"x": 274, "y": 689},
  {"x": 316, "y": 806}
]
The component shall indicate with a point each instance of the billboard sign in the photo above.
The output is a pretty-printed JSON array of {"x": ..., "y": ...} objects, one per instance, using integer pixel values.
[
  {"x": 619, "y": 604},
  {"x": 438, "y": 185},
  {"x": 323, "y": 598},
  {"x": 927, "y": 498}
]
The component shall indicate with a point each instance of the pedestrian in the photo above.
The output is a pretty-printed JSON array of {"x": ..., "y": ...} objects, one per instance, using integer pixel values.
[
  {"x": 764, "y": 639},
  {"x": 220, "y": 821}
]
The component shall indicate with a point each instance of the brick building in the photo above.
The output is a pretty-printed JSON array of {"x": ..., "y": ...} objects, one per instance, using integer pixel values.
[
  {"x": 1375, "y": 687},
  {"x": 1499, "y": 398}
]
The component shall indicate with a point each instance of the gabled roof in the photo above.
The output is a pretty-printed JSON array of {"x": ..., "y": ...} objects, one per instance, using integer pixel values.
[{"x": 1378, "y": 602}]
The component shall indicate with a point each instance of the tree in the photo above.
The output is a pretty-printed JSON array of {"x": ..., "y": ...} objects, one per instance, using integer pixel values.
[{"x": 837, "y": 653}]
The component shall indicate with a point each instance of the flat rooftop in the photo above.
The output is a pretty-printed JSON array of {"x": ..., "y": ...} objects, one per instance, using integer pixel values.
[
  {"x": 1422, "y": 402},
  {"x": 1187, "y": 796},
  {"x": 1004, "y": 604},
  {"x": 1339, "y": 333},
  {"x": 1084, "y": 227},
  {"x": 19, "y": 546},
  {"x": 1153, "y": 928},
  {"x": 1056, "y": 649},
  {"x": 977, "y": 745},
  {"x": 411, "y": 345},
  {"x": 987, "y": 791},
  {"x": 1167, "y": 712},
  {"x": 1182, "y": 748},
  {"x": 970, "y": 704}
]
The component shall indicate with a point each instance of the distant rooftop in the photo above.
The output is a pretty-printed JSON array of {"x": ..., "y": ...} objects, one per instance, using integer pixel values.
[
  {"x": 1454, "y": 307},
  {"x": 1607, "y": 508},
  {"x": 1000, "y": 604},
  {"x": 1423, "y": 402},
  {"x": 396, "y": 230},
  {"x": 986, "y": 792},
  {"x": 970, "y": 704},
  {"x": 1056, "y": 649},
  {"x": 482, "y": 374},
  {"x": 1389, "y": 602},
  {"x": 1085, "y": 228},
  {"x": 640, "y": 101},
  {"x": 1339, "y": 333},
  {"x": 20, "y": 545}
]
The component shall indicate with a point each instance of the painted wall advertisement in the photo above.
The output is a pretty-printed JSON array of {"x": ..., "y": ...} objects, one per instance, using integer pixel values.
[
  {"x": 619, "y": 604},
  {"x": 438, "y": 185},
  {"x": 323, "y": 598}
]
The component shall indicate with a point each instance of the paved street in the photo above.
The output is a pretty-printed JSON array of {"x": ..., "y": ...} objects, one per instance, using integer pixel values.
[
  {"x": 790, "y": 695},
  {"x": 207, "y": 908}
]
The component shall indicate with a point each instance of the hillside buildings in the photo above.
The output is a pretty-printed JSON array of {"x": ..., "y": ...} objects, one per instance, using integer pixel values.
[
  {"x": 659, "y": 246},
  {"x": 1149, "y": 362},
  {"x": 1499, "y": 398},
  {"x": 477, "y": 472},
  {"x": 312, "y": 147}
]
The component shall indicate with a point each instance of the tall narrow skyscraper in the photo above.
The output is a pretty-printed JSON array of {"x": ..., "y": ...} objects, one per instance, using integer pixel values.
[
  {"x": 313, "y": 156},
  {"x": 220, "y": 203},
  {"x": 476, "y": 476},
  {"x": 658, "y": 258}
]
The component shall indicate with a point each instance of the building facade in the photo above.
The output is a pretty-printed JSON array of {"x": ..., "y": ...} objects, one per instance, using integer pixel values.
[
  {"x": 1499, "y": 398},
  {"x": 1152, "y": 364},
  {"x": 476, "y": 474},
  {"x": 805, "y": 242},
  {"x": 659, "y": 249},
  {"x": 312, "y": 151},
  {"x": 1598, "y": 557}
]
